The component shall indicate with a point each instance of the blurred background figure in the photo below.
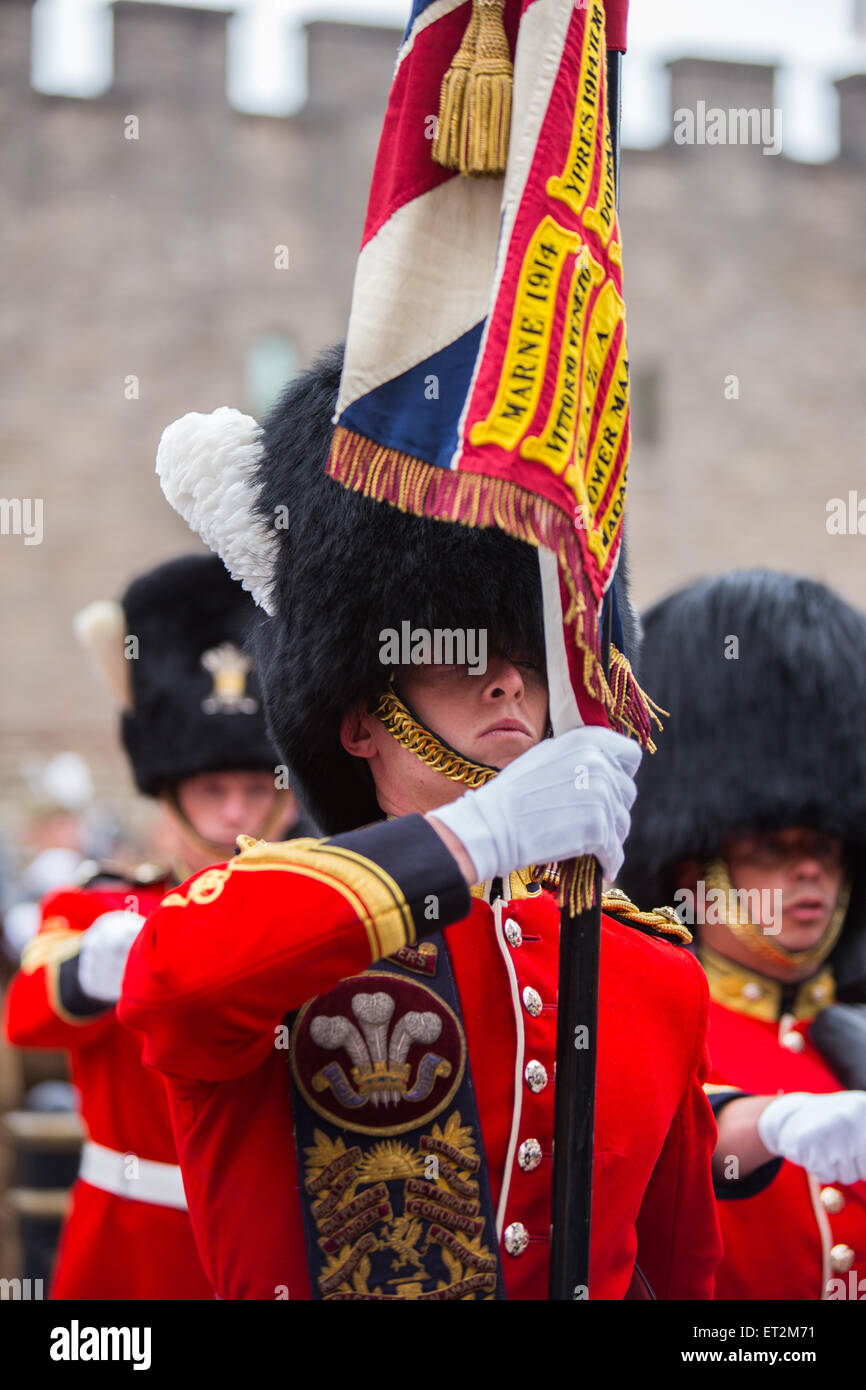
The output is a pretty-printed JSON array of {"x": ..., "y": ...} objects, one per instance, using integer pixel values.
[
  {"x": 40, "y": 1141},
  {"x": 192, "y": 725},
  {"x": 751, "y": 818},
  {"x": 61, "y": 791}
]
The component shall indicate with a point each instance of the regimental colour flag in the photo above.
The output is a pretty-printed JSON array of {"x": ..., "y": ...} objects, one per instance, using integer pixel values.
[{"x": 486, "y": 370}]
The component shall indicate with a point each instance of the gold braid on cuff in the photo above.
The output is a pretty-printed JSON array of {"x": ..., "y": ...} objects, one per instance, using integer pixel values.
[
  {"x": 752, "y": 935},
  {"x": 402, "y": 725}
]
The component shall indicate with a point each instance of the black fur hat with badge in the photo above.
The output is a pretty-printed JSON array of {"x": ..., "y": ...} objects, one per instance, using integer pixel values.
[
  {"x": 176, "y": 651},
  {"x": 333, "y": 571},
  {"x": 762, "y": 674}
]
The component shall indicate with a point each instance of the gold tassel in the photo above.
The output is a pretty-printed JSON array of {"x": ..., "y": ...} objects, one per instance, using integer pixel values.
[
  {"x": 484, "y": 136},
  {"x": 475, "y": 100},
  {"x": 487, "y": 106},
  {"x": 446, "y": 146},
  {"x": 577, "y": 885}
]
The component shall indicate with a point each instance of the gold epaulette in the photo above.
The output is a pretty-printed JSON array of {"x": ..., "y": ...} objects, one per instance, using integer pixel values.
[{"x": 661, "y": 919}]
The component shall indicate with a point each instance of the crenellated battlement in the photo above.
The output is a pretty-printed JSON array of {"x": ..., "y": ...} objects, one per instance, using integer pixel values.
[{"x": 179, "y": 58}]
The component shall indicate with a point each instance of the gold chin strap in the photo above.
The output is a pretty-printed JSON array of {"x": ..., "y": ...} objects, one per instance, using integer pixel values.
[
  {"x": 576, "y": 885},
  {"x": 402, "y": 725},
  {"x": 217, "y": 852},
  {"x": 751, "y": 935}
]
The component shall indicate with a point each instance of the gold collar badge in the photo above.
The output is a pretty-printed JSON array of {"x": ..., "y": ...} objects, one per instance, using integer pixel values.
[{"x": 746, "y": 992}]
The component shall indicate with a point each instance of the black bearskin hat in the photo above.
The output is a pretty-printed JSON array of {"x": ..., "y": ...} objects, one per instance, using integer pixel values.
[
  {"x": 350, "y": 568},
  {"x": 191, "y": 699},
  {"x": 333, "y": 570},
  {"x": 763, "y": 675}
]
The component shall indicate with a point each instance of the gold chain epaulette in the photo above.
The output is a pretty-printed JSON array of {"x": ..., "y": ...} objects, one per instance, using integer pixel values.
[
  {"x": 661, "y": 919},
  {"x": 402, "y": 726}
]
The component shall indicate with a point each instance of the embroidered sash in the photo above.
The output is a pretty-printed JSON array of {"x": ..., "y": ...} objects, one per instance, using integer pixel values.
[{"x": 394, "y": 1186}]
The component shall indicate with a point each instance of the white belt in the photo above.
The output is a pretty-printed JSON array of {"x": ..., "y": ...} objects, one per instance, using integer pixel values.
[{"x": 127, "y": 1175}]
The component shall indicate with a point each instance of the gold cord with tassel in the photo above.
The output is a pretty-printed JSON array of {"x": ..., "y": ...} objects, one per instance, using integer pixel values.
[
  {"x": 475, "y": 100},
  {"x": 484, "y": 135},
  {"x": 446, "y": 146}
]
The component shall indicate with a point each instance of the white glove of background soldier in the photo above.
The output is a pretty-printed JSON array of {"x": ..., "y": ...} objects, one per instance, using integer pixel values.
[
  {"x": 102, "y": 958},
  {"x": 564, "y": 798},
  {"x": 826, "y": 1135}
]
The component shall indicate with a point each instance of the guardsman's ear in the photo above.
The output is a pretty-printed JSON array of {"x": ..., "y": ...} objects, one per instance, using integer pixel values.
[{"x": 355, "y": 731}]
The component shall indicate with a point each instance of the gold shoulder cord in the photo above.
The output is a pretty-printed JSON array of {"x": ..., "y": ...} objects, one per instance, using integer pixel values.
[
  {"x": 662, "y": 919},
  {"x": 402, "y": 725}
]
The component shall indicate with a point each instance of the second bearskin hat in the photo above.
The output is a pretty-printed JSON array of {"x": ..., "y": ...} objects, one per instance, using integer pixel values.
[
  {"x": 176, "y": 650},
  {"x": 762, "y": 674}
]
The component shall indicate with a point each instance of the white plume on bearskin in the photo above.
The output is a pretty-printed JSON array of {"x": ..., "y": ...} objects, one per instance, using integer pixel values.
[
  {"x": 207, "y": 465},
  {"x": 101, "y": 628}
]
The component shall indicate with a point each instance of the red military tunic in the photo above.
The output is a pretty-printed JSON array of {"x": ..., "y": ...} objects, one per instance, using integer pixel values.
[
  {"x": 112, "y": 1246},
  {"x": 220, "y": 962},
  {"x": 796, "y": 1236}
]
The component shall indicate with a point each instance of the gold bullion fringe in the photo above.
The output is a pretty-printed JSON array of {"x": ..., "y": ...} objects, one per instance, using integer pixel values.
[{"x": 423, "y": 489}]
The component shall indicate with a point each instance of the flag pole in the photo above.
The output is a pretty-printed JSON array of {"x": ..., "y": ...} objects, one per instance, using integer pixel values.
[{"x": 577, "y": 1029}]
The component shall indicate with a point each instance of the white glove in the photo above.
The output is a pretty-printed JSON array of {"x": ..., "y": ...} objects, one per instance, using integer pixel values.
[
  {"x": 826, "y": 1135},
  {"x": 566, "y": 797},
  {"x": 102, "y": 958}
]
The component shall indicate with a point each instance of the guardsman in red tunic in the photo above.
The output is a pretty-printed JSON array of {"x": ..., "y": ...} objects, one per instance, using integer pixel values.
[
  {"x": 195, "y": 735},
  {"x": 752, "y": 817},
  {"x": 359, "y": 1033}
]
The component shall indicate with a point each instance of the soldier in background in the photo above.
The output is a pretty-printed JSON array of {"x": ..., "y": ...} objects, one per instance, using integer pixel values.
[
  {"x": 194, "y": 732},
  {"x": 759, "y": 789}
]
